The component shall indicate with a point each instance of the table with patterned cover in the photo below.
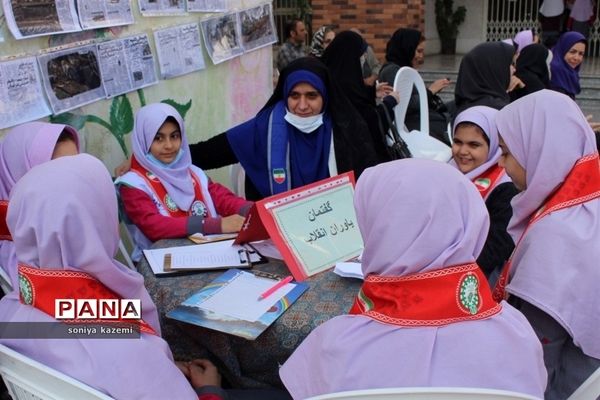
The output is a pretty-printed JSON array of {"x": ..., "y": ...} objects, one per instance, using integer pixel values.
[{"x": 246, "y": 363}]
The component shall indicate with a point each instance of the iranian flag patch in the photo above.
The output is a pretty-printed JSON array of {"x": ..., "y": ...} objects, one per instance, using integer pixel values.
[
  {"x": 279, "y": 175},
  {"x": 482, "y": 184}
]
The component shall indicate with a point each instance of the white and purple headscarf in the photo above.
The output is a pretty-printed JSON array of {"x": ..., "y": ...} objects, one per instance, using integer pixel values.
[
  {"x": 24, "y": 147},
  {"x": 63, "y": 215},
  {"x": 415, "y": 216},
  {"x": 522, "y": 39},
  {"x": 484, "y": 117},
  {"x": 555, "y": 267},
  {"x": 176, "y": 178}
]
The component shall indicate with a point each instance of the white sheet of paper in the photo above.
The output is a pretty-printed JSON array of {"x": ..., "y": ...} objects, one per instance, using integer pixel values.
[
  {"x": 239, "y": 298},
  {"x": 349, "y": 270},
  {"x": 209, "y": 255}
]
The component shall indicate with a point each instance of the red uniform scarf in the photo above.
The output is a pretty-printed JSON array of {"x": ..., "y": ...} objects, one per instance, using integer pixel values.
[
  {"x": 434, "y": 298},
  {"x": 582, "y": 184},
  {"x": 40, "y": 288},
  {"x": 4, "y": 232},
  {"x": 161, "y": 193}
]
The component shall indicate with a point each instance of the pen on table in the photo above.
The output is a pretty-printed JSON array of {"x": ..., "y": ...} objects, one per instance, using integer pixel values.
[{"x": 275, "y": 287}]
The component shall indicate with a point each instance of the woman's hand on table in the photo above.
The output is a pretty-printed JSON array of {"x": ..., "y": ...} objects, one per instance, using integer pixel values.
[
  {"x": 200, "y": 372},
  {"x": 232, "y": 224},
  {"x": 203, "y": 373}
]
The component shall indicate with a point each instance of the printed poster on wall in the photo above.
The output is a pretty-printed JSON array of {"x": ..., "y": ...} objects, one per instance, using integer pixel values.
[
  {"x": 207, "y": 5},
  {"x": 222, "y": 37},
  {"x": 126, "y": 64},
  {"x": 179, "y": 50},
  {"x": 21, "y": 94},
  {"x": 100, "y": 13},
  {"x": 258, "y": 27},
  {"x": 26, "y": 19},
  {"x": 155, "y": 8},
  {"x": 71, "y": 77}
]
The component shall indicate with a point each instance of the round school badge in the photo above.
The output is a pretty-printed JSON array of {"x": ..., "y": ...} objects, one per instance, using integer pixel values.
[
  {"x": 468, "y": 294},
  {"x": 170, "y": 203},
  {"x": 26, "y": 290},
  {"x": 199, "y": 208}
]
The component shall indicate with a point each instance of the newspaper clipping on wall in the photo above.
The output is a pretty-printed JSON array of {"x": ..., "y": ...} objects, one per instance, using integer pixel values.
[
  {"x": 127, "y": 64},
  {"x": 258, "y": 27},
  {"x": 151, "y": 8},
  {"x": 179, "y": 50},
  {"x": 222, "y": 37},
  {"x": 21, "y": 95},
  {"x": 207, "y": 5},
  {"x": 71, "y": 77},
  {"x": 27, "y": 19},
  {"x": 101, "y": 14}
]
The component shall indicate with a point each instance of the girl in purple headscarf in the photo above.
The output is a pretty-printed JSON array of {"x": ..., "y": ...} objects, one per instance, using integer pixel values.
[
  {"x": 164, "y": 195},
  {"x": 566, "y": 62},
  {"x": 424, "y": 315},
  {"x": 522, "y": 40},
  {"x": 475, "y": 152},
  {"x": 65, "y": 242},
  {"x": 549, "y": 150},
  {"x": 24, "y": 147}
]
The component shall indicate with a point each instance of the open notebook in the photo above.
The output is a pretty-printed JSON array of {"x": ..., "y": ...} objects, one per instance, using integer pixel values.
[
  {"x": 201, "y": 257},
  {"x": 231, "y": 303}
]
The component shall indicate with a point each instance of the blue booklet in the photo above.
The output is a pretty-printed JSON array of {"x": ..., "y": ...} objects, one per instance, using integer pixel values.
[{"x": 232, "y": 303}]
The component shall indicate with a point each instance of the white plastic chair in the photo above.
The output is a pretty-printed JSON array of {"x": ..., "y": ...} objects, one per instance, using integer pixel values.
[
  {"x": 237, "y": 177},
  {"x": 124, "y": 233},
  {"x": 27, "y": 379},
  {"x": 426, "y": 393},
  {"x": 589, "y": 389},
  {"x": 125, "y": 255},
  {"x": 420, "y": 144}
]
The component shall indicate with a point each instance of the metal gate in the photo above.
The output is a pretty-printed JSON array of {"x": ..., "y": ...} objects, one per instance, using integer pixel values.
[{"x": 507, "y": 17}]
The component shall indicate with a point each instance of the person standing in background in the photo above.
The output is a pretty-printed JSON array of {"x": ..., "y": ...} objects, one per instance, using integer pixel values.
[
  {"x": 551, "y": 19},
  {"x": 321, "y": 39},
  {"x": 294, "y": 46},
  {"x": 369, "y": 63},
  {"x": 582, "y": 17},
  {"x": 568, "y": 54}
]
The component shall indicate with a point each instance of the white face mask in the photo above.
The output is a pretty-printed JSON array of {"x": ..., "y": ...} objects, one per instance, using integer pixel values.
[{"x": 304, "y": 124}]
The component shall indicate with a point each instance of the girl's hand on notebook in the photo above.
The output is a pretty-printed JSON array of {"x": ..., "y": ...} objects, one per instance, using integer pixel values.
[
  {"x": 232, "y": 224},
  {"x": 203, "y": 373}
]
